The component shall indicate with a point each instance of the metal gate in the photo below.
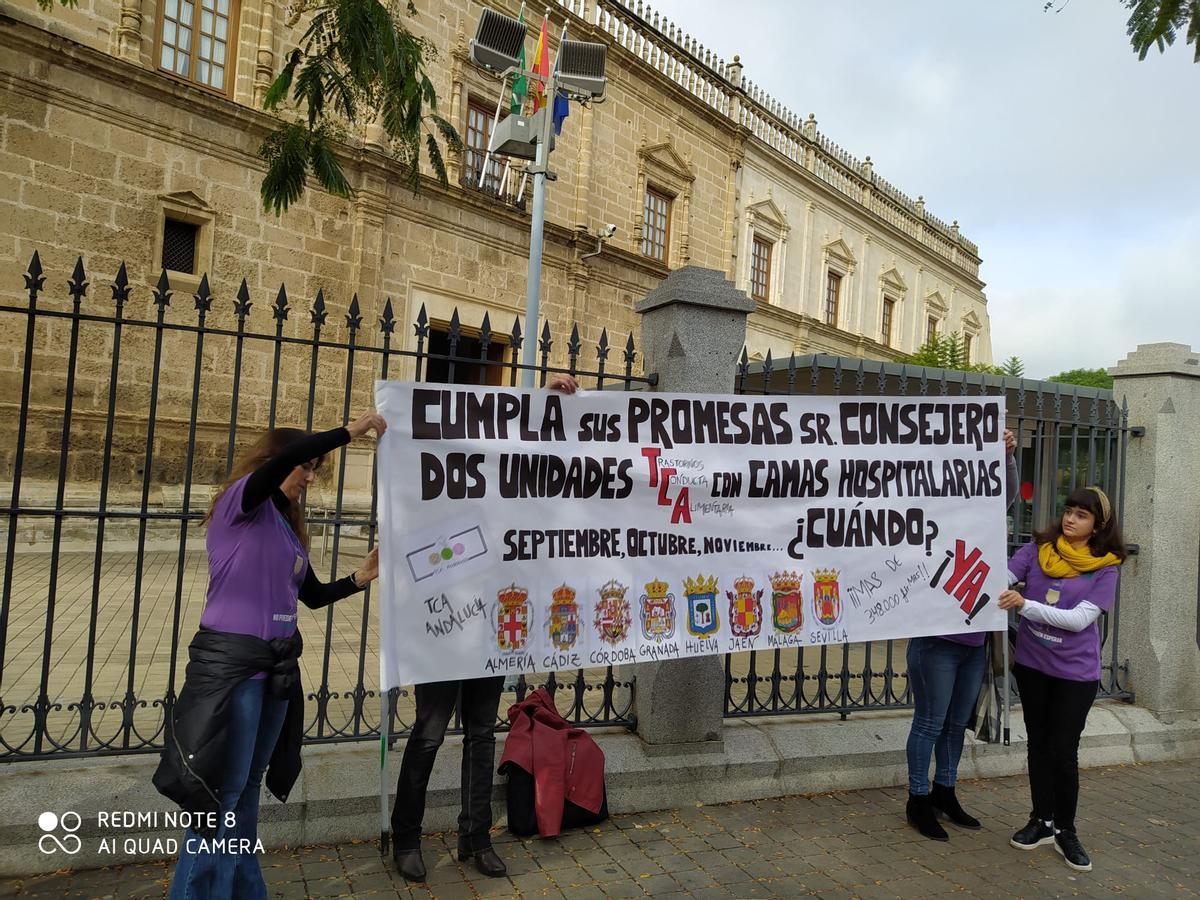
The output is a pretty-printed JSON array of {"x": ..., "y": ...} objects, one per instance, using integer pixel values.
[{"x": 1067, "y": 436}]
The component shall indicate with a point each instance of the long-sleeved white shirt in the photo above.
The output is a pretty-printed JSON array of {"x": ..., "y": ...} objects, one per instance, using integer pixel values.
[{"x": 1077, "y": 619}]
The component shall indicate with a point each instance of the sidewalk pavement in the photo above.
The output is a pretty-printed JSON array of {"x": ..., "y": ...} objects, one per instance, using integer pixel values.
[{"x": 1141, "y": 825}]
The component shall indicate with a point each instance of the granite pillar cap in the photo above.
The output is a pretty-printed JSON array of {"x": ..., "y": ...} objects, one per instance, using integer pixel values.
[
  {"x": 1158, "y": 359},
  {"x": 695, "y": 286}
]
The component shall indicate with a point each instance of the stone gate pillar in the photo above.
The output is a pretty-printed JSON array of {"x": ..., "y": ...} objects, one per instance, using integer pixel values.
[
  {"x": 1160, "y": 621},
  {"x": 693, "y": 331}
]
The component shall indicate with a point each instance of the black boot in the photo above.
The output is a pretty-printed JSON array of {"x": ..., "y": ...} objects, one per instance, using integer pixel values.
[
  {"x": 409, "y": 864},
  {"x": 920, "y": 815},
  {"x": 486, "y": 861},
  {"x": 945, "y": 802}
]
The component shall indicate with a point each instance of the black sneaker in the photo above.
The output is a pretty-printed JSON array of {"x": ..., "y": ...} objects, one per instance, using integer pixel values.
[
  {"x": 1035, "y": 834},
  {"x": 1067, "y": 843}
]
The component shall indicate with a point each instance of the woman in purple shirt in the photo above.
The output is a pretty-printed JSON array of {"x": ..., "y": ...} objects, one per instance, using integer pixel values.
[
  {"x": 239, "y": 714},
  {"x": 945, "y": 674},
  {"x": 1070, "y": 571}
]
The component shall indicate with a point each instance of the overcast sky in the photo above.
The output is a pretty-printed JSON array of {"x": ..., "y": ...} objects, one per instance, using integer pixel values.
[{"x": 1075, "y": 167}]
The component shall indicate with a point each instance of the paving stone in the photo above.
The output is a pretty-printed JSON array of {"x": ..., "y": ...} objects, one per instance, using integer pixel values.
[
  {"x": 327, "y": 887},
  {"x": 1138, "y": 821}
]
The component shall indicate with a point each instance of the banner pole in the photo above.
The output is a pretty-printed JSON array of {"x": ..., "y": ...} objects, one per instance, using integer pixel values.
[
  {"x": 385, "y": 726},
  {"x": 1007, "y": 688}
]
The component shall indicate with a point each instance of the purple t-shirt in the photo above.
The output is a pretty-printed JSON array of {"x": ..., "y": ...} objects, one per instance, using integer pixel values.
[
  {"x": 1071, "y": 655},
  {"x": 256, "y": 565},
  {"x": 970, "y": 638}
]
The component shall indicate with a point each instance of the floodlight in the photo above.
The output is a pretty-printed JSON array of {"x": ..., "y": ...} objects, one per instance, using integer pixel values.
[
  {"x": 498, "y": 41},
  {"x": 517, "y": 135},
  {"x": 581, "y": 67}
]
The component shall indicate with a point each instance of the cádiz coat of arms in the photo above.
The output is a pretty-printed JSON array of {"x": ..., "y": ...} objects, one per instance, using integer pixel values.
[
  {"x": 613, "y": 617},
  {"x": 827, "y": 599},
  {"x": 701, "y": 593},
  {"x": 787, "y": 603},
  {"x": 745, "y": 608},
  {"x": 512, "y": 618},
  {"x": 564, "y": 618}
]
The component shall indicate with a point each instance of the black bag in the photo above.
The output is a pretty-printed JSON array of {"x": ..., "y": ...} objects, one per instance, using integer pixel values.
[{"x": 522, "y": 819}]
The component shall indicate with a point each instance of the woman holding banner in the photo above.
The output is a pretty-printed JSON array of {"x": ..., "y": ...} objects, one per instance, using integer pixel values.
[
  {"x": 240, "y": 711},
  {"x": 1070, "y": 571},
  {"x": 478, "y": 703},
  {"x": 945, "y": 674}
]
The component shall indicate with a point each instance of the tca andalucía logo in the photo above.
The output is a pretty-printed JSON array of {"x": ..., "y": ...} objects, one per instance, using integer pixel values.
[{"x": 51, "y": 842}]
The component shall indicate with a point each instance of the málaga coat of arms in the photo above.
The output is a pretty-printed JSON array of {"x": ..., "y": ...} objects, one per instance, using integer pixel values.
[
  {"x": 827, "y": 599},
  {"x": 512, "y": 618},
  {"x": 658, "y": 612},
  {"x": 564, "y": 618},
  {"x": 745, "y": 608},
  {"x": 787, "y": 603},
  {"x": 701, "y": 593},
  {"x": 613, "y": 617}
]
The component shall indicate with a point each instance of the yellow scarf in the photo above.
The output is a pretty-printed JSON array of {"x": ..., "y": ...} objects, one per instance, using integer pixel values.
[{"x": 1061, "y": 560}]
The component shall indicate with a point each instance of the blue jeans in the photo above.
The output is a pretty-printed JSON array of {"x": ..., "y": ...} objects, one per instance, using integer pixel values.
[
  {"x": 255, "y": 720},
  {"x": 945, "y": 678}
]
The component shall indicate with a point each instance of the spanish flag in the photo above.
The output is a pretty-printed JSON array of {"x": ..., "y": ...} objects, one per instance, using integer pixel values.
[{"x": 541, "y": 68}]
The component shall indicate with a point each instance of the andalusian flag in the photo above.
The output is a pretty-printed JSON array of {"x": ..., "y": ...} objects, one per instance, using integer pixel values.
[
  {"x": 541, "y": 68},
  {"x": 520, "y": 85}
]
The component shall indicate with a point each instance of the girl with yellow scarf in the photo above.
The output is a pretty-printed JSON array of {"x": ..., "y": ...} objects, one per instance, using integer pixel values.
[{"x": 1070, "y": 572}]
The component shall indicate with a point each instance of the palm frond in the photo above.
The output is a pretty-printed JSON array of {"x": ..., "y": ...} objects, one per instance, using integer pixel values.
[
  {"x": 435, "y": 159},
  {"x": 278, "y": 90},
  {"x": 325, "y": 165},
  {"x": 448, "y": 132},
  {"x": 285, "y": 152}
]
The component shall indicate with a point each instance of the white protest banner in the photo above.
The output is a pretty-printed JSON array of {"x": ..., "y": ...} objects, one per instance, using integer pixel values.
[{"x": 526, "y": 531}]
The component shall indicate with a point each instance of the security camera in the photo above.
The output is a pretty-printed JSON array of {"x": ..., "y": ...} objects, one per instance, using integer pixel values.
[{"x": 603, "y": 233}]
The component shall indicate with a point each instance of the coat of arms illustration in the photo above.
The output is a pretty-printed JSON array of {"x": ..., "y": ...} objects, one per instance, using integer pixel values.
[
  {"x": 701, "y": 593},
  {"x": 745, "y": 608},
  {"x": 613, "y": 617},
  {"x": 512, "y": 618},
  {"x": 787, "y": 603},
  {"x": 564, "y": 618},
  {"x": 658, "y": 612},
  {"x": 827, "y": 600}
]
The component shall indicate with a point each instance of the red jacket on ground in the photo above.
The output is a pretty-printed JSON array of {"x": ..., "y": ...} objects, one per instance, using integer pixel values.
[{"x": 566, "y": 764}]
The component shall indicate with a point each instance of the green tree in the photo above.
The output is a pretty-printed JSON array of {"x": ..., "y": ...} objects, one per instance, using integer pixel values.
[
  {"x": 1013, "y": 367},
  {"x": 1155, "y": 23},
  {"x": 356, "y": 64},
  {"x": 948, "y": 351},
  {"x": 1097, "y": 378},
  {"x": 941, "y": 351}
]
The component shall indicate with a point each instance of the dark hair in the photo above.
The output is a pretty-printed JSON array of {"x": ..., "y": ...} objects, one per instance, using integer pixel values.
[
  {"x": 262, "y": 451},
  {"x": 1106, "y": 538}
]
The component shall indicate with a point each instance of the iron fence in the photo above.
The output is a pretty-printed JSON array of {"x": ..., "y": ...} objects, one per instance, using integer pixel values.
[
  {"x": 1067, "y": 436},
  {"x": 126, "y": 415}
]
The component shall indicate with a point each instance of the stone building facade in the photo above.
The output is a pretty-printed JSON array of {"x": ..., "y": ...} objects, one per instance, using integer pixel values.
[{"x": 111, "y": 147}]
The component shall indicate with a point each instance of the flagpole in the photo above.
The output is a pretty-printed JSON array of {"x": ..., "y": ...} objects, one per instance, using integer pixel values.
[
  {"x": 492, "y": 134},
  {"x": 537, "y": 225},
  {"x": 504, "y": 179}
]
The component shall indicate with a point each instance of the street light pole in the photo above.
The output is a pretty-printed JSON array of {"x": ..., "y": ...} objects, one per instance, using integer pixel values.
[{"x": 536, "y": 231}]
